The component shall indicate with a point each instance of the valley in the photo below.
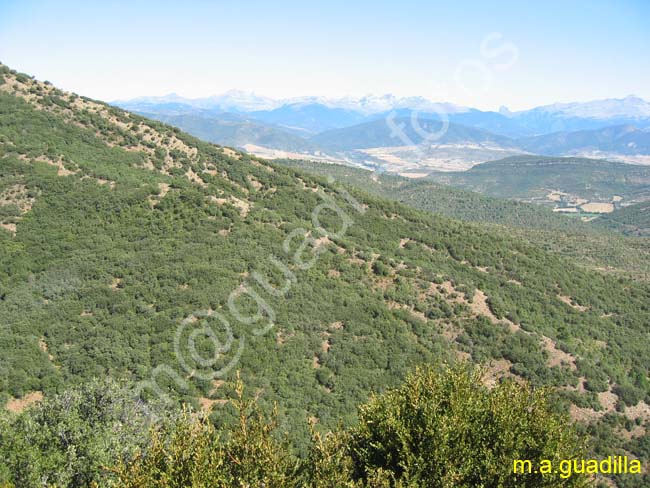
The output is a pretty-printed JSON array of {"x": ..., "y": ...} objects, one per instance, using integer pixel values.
[
  {"x": 578, "y": 186},
  {"x": 583, "y": 241},
  {"x": 412, "y": 136},
  {"x": 324, "y": 245},
  {"x": 117, "y": 229}
]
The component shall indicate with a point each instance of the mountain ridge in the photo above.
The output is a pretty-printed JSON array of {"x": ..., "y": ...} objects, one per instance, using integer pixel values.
[
  {"x": 561, "y": 129},
  {"x": 117, "y": 230},
  {"x": 537, "y": 120}
]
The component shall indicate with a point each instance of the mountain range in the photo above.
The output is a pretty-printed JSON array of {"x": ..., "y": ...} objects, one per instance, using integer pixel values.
[
  {"x": 342, "y": 112},
  {"x": 133, "y": 250},
  {"x": 379, "y": 131}
]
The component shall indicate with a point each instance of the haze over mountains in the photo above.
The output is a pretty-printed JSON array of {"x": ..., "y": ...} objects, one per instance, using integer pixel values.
[
  {"x": 118, "y": 232},
  {"x": 410, "y": 248},
  {"x": 115, "y": 228},
  {"x": 380, "y": 131}
]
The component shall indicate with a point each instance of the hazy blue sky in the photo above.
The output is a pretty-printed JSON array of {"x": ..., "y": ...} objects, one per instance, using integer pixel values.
[{"x": 564, "y": 50}]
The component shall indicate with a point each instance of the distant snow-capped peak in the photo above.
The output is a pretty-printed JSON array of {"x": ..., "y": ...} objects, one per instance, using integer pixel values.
[
  {"x": 610, "y": 108},
  {"x": 372, "y": 104},
  {"x": 630, "y": 107},
  {"x": 240, "y": 101},
  {"x": 243, "y": 101}
]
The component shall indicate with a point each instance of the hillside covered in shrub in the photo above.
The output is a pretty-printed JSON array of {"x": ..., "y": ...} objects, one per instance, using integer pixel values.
[{"x": 132, "y": 250}]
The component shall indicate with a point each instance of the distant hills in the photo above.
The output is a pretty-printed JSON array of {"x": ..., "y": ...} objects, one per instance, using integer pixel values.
[
  {"x": 585, "y": 116},
  {"x": 401, "y": 132},
  {"x": 309, "y": 118},
  {"x": 619, "y": 139},
  {"x": 122, "y": 236},
  {"x": 234, "y": 130},
  {"x": 633, "y": 220},
  {"x": 317, "y": 114},
  {"x": 567, "y": 184},
  {"x": 359, "y": 130}
]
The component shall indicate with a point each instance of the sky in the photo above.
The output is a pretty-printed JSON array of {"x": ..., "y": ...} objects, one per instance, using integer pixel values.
[{"x": 480, "y": 54}]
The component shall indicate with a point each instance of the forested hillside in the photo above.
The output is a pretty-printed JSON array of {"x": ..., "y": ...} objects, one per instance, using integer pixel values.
[
  {"x": 535, "y": 177},
  {"x": 379, "y": 133},
  {"x": 633, "y": 220},
  {"x": 120, "y": 234},
  {"x": 235, "y": 131},
  {"x": 595, "y": 244},
  {"x": 452, "y": 202}
]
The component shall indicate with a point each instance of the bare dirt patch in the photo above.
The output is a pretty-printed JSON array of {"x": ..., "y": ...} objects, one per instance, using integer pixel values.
[
  {"x": 580, "y": 388},
  {"x": 254, "y": 182},
  {"x": 315, "y": 362},
  {"x": 607, "y": 400},
  {"x": 191, "y": 175},
  {"x": 415, "y": 313},
  {"x": 338, "y": 325},
  {"x": 10, "y": 227},
  {"x": 640, "y": 410},
  {"x": 572, "y": 303},
  {"x": 19, "y": 196},
  {"x": 242, "y": 205},
  {"x": 42, "y": 345},
  {"x": 17, "y": 405},
  {"x": 496, "y": 370},
  {"x": 207, "y": 404},
  {"x": 163, "y": 189},
  {"x": 322, "y": 241},
  {"x": 480, "y": 306},
  {"x": 231, "y": 153},
  {"x": 557, "y": 357},
  {"x": 357, "y": 261},
  {"x": 450, "y": 331},
  {"x": 61, "y": 170},
  {"x": 282, "y": 336}
]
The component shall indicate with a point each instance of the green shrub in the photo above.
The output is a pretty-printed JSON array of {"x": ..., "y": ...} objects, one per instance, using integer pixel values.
[
  {"x": 443, "y": 429},
  {"x": 191, "y": 453},
  {"x": 440, "y": 429},
  {"x": 66, "y": 439}
]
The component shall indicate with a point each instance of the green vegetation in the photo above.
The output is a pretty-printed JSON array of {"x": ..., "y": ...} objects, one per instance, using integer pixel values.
[
  {"x": 235, "y": 131},
  {"x": 449, "y": 430},
  {"x": 633, "y": 220},
  {"x": 68, "y": 439},
  {"x": 118, "y": 229},
  {"x": 440, "y": 428},
  {"x": 533, "y": 177},
  {"x": 585, "y": 243},
  {"x": 445, "y": 200}
]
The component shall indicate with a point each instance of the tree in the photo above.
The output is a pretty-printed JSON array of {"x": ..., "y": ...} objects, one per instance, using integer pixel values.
[
  {"x": 192, "y": 453},
  {"x": 67, "y": 439},
  {"x": 445, "y": 428}
]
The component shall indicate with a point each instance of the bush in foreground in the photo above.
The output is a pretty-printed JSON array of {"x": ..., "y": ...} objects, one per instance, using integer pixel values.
[
  {"x": 65, "y": 440},
  {"x": 445, "y": 429},
  {"x": 442, "y": 428}
]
